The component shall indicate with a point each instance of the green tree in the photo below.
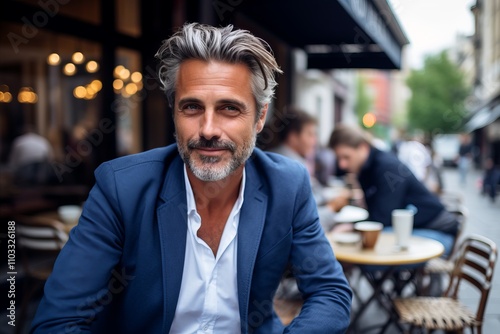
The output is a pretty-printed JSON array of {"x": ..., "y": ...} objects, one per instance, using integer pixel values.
[
  {"x": 437, "y": 104},
  {"x": 363, "y": 102}
]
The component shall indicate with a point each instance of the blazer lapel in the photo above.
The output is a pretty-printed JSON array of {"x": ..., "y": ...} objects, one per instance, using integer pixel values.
[
  {"x": 172, "y": 224},
  {"x": 251, "y": 224}
]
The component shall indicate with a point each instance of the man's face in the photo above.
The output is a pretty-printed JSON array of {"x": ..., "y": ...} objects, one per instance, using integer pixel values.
[
  {"x": 214, "y": 117},
  {"x": 351, "y": 159},
  {"x": 305, "y": 140}
]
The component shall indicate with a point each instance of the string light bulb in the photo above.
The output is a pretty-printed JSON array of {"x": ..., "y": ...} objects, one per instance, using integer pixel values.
[
  {"x": 53, "y": 59},
  {"x": 69, "y": 69},
  {"x": 78, "y": 57},
  {"x": 92, "y": 66}
]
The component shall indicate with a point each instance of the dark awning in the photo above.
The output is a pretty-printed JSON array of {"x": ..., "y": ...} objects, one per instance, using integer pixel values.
[
  {"x": 335, "y": 33},
  {"x": 485, "y": 116}
]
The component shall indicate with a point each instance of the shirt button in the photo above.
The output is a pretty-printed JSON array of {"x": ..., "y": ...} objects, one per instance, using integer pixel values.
[{"x": 205, "y": 328}]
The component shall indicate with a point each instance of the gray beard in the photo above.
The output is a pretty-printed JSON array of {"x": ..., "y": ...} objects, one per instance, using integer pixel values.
[{"x": 209, "y": 173}]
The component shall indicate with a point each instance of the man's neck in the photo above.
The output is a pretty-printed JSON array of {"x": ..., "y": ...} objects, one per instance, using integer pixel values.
[
  {"x": 214, "y": 195},
  {"x": 367, "y": 160}
]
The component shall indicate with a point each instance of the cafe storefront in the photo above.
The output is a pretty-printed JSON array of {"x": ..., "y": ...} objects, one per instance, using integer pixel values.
[{"x": 83, "y": 74}]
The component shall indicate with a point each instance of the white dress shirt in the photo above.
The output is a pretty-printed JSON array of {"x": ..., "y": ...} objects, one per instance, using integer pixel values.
[{"x": 208, "y": 298}]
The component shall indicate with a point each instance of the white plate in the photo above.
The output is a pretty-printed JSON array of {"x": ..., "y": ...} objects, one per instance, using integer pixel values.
[
  {"x": 351, "y": 214},
  {"x": 345, "y": 238}
]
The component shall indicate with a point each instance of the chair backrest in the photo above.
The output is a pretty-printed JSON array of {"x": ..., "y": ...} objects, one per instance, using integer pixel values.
[
  {"x": 461, "y": 213},
  {"x": 451, "y": 200},
  {"x": 475, "y": 264},
  {"x": 40, "y": 233}
]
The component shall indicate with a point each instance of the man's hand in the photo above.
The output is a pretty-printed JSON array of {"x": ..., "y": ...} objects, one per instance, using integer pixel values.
[{"x": 340, "y": 201}]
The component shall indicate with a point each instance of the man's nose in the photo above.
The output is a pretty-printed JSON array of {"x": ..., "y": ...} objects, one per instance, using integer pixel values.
[
  {"x": 343, "y": 164},
  {"x": 210, "y": 126}
]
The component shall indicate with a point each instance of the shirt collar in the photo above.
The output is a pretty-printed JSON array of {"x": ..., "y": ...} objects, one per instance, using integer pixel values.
[{"x": 191, "y": 203}]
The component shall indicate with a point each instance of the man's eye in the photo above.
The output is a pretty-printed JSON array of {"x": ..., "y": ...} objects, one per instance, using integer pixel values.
[
  {"x": 230, "y": 109},
  {"x": 191, "y": 108}
]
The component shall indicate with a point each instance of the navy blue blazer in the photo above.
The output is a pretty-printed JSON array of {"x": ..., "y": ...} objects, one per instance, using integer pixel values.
[{"x": 121, "y": 270}]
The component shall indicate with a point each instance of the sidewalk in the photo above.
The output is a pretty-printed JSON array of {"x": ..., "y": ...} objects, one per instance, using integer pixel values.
[{"x": 484, "y": 219}]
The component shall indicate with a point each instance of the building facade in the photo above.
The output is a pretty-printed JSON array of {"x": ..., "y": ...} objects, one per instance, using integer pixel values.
[
  {"x": 83, "y": 73},
  {"x": 485, "y": 122}
]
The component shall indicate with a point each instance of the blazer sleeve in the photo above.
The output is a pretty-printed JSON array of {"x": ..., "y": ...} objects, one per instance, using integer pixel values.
[
  {"x": 84, "y": 275},
  {"x": 320, "y": 277}
]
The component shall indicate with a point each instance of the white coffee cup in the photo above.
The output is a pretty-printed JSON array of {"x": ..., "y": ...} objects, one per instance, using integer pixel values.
[{"x": 402, "y": 223}]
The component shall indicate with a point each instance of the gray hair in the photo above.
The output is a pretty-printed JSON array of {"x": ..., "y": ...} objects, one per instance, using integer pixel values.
[{"x": 204, "y": 42}]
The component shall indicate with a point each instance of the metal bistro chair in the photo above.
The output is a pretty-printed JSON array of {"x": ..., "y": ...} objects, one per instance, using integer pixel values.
[
  {"x": 39, "y": 241},
  {"x": 442, "y": 266},
  {"x": 475, "y": 265},
  {"x": 451, "y": 200}
]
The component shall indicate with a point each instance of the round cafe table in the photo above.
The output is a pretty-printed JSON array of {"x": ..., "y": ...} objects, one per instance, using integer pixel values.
[
  {"x": 387, "y": 258},
  {"x": 385, "y": 252}
]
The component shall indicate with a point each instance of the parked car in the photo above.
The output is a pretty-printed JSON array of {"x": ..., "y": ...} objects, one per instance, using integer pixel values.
[{"x": 446, "y": 147}]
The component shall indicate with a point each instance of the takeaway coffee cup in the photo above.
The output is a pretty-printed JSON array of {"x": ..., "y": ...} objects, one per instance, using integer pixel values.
[
  {"x": 369, "y": 232},
  {"x": 402, "y": 223}
]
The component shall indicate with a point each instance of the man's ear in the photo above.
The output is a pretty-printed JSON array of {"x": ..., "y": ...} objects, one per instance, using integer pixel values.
[
  {"x": 365, "y": 148},
  {"x": 262, "y": 118}
]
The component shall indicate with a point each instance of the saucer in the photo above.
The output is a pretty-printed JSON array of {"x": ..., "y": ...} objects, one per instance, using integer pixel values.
[{"x": 346, "y": 238}]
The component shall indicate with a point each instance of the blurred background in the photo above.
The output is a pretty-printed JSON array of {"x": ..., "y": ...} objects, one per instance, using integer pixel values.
[
  {"x": 80, "y": 76},
  {"x": 78, "y": 80}
]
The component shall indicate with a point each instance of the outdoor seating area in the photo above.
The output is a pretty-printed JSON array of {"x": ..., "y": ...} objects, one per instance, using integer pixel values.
[{"x": 438, "y": 293}]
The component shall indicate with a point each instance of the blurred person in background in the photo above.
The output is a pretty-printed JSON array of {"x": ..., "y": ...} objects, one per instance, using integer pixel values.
[
  {"x": 465, "y": 155},
  {"x": 82, "y": 148},
  {"x": 416, "y": 157},
  {"x": 195, "y": 237},
  {"x": 389, "y": 184},
  {"x": 491, "y": 179},
  {"x": 30, "y": 159},
  {"x": 325, "y": 165},
  {"x": 298, "y": 141},
  {"x": 298, "y": 138},
  {"x": 433, "y": 179}
]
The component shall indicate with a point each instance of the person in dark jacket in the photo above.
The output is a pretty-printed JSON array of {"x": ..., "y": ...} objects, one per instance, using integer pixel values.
[{"x": 388, "y": 185}]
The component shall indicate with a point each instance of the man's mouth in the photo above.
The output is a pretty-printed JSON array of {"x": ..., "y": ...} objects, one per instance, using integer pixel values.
[{"x": 210, "y": 150}]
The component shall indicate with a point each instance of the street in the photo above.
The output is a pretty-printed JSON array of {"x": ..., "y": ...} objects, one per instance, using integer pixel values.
[{"x": 484, "y": 219}]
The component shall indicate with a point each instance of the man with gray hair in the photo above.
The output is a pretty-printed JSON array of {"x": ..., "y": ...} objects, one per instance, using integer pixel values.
[{"x": 195, "y": 237}]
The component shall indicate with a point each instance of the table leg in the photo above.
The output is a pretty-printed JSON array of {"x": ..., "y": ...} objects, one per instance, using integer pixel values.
[
  {"x": 377, "y": 288},
  {"x": 383, "y": 298},
  {"x": 399, "y": 285}
]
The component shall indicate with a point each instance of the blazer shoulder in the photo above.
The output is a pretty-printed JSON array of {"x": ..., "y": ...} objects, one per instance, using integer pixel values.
[
  {"x": 272, "y": 163},
  {"x": 278, "y": 173},
  {"x": 140, "y": 168}
]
